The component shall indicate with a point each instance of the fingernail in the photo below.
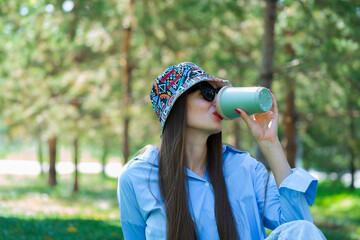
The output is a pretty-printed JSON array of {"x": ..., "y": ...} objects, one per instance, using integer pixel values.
[{"x": 237, "y": 111}]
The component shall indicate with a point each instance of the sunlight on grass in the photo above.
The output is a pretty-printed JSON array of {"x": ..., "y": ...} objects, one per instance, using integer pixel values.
[
  {"x": 337, "y": 211},
  {"x": 30, "y": 208}
]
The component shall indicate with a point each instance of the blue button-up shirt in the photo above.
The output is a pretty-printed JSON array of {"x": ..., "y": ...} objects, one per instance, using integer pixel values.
[{"x": 142, "y": 208}]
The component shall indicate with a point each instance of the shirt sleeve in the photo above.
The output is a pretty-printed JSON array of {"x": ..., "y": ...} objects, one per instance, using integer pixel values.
[
  {"x": 132, "y": 223},
  {"x": 288, "y": 203}
]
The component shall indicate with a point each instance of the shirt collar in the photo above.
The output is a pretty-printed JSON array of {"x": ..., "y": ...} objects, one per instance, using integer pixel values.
[{"x": 151, "y": 155}]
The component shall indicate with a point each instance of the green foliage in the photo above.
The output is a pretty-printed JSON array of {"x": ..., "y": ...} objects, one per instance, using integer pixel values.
[
  {"x": 337, "y": 211},
  {"x": 317, "y": 44},
  {"x": 62, "y": 73}
]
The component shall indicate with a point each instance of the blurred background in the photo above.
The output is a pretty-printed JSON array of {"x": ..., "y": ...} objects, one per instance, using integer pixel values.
[{"x": 75, "y": 79}]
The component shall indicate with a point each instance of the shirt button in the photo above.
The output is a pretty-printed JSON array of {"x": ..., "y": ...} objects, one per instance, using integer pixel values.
[{"x": 207, "y": 184}]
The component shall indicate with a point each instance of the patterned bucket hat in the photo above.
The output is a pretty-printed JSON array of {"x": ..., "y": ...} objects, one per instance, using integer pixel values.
[{"x": 173, "y": 82}]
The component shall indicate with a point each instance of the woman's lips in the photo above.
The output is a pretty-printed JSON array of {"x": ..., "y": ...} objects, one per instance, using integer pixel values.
[{"x": 217, "y": 115}]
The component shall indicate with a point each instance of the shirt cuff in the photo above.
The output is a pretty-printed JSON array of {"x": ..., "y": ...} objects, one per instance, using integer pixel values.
[{"x": 301, "y": 181}]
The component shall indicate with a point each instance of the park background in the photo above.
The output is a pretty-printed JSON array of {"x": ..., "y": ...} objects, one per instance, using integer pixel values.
[{"x": 75, "y": 79}]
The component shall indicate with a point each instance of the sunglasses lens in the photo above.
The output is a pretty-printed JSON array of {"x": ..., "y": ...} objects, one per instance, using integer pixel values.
[{"x": 208, "y": 92}]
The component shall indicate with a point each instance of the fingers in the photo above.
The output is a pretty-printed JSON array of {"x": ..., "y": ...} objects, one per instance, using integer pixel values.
[
  {"x": 274, "y": 107},
  {"x": 267, "y": 115},
  {"x": 244, "y": 116}
]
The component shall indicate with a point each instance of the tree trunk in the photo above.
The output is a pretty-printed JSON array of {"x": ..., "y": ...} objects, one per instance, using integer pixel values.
[
  {"x": 126, "y": 145},
  {"x": 290, "y": 126},
  {"x": 352, "y": 169},
  {"x": 104, "y": 156},
  {"x": 268, "y": 46},
  {"x": 352, "y": 140},
  {"x": 52, "y": 155},
  {"x": 76, "y": 155},
  {"x": 127, "y": 79},
  {"x": 267, "y": 65},
  {"x": 40, "y": 153},
  {"x": 237, "y": 133},
  {"x": 75, "y": 20}
]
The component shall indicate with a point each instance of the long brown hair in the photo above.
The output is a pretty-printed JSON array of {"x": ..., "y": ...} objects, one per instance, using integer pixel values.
[{"x": 173, "y": 179}]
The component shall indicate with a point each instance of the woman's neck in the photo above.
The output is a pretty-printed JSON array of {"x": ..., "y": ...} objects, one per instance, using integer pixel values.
[{"x": 196, "y": 150}]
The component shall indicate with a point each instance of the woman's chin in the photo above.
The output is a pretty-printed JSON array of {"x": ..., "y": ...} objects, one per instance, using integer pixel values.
[{"x": 215, "y": 131}]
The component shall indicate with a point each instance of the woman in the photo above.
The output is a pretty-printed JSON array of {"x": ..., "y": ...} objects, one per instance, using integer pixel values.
[{"x": 193, "y": 187}]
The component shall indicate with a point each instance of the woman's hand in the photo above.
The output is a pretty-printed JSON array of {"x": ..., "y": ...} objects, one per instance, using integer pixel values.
[{"x": 263, "y": 126}]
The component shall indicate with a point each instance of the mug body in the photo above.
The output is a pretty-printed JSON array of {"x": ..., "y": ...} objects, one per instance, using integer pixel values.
[{"x": 250, "y": 99}]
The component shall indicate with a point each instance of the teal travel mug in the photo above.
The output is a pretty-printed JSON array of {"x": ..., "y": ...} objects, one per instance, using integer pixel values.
[{"x": 250, "y": 99}]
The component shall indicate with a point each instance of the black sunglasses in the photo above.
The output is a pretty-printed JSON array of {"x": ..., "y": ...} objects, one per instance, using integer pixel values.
[{"x": 207, "y": 90}]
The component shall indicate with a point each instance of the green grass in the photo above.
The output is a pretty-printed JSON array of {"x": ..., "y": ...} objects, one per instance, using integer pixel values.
[
  {"x": 337, "y": 211},
  {"x": 30, "y": 209},
  {"x": 57, "y": 228}
]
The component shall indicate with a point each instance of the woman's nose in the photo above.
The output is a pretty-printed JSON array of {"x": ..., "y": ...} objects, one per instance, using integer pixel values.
[{"x": 213, "y": 103}]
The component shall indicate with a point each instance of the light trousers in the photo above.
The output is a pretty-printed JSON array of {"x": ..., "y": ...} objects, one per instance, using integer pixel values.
[{"x": 296, "y": 230}]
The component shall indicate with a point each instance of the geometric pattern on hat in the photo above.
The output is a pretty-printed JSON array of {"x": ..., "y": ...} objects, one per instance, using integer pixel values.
[{"x": 173, "y": 82}]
